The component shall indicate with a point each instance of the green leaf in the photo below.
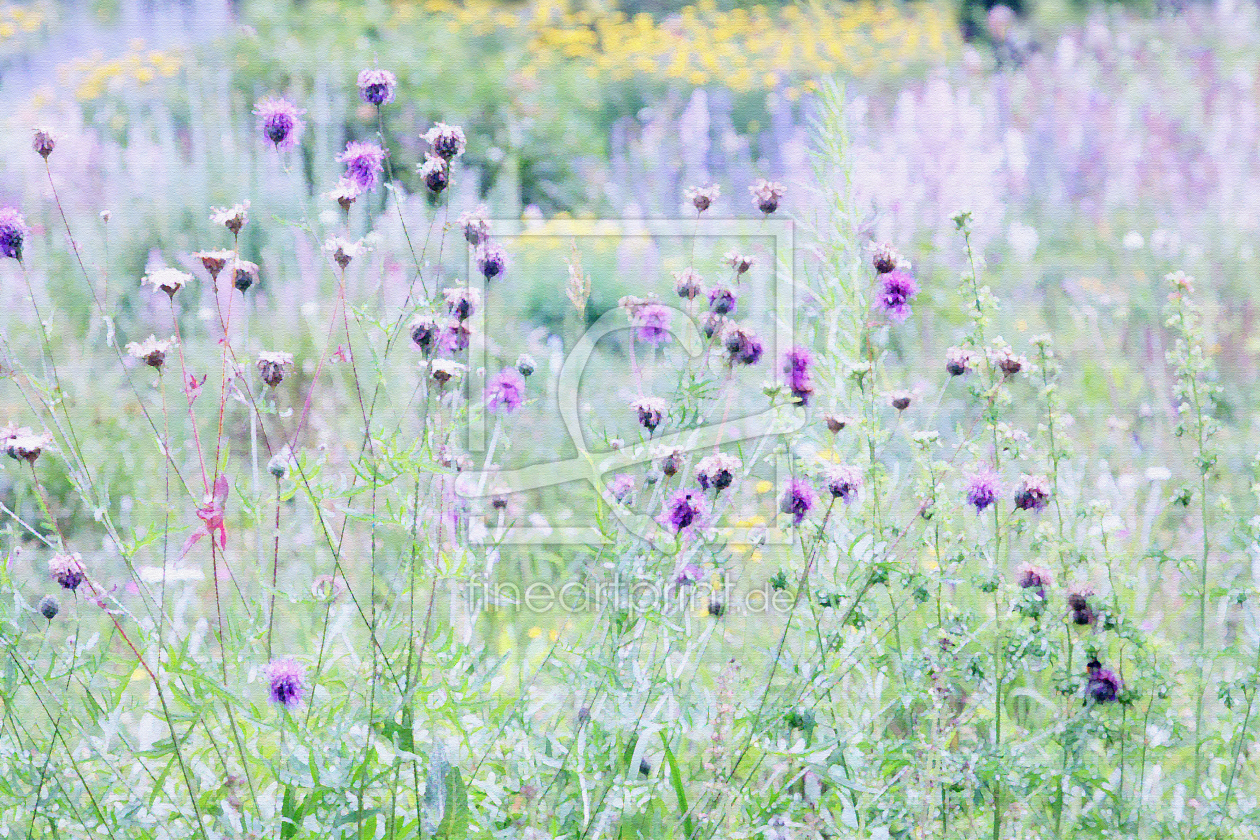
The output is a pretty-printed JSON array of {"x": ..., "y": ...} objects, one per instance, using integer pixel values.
[{"x": 675, "y": 778}]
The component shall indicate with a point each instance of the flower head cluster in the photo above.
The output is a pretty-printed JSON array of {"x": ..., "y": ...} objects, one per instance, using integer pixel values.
[
  {"x": 506, "y": 391},
  {"x": 896, "y": 289},
  {"x": 796, "y": 364},
  {"x": 13, "y": 233},
  {"x": 364, "y": 162},
  {"x": 1033, "y": 493},
  {"x": 286, "y": 682},
  {"x": 233, "y": 218},
  {"x": 651, "y": 411},
  {"x": 688, "y": 283},
  {"x": 462, "y": 301},
  {"x": 742, "y": 345},
  {"x": 1036, "y": 578},
  {"x": 671, "y": 461},
  {"x": 685, "y": 509},
  {"x": 843, "y": 482},
  {"x": 1103, "y": 686},
  {"x": 152, "y": 351},
  {"x": 272, "y": 365},
  {"x": 797, "y": 499},
  {"x": 376, "y": 87},
  {"x": 447, "y": 141},
  {"x": 21, "y": 444},
  {"x": 717, "y": 472},
  {"x": 959, "y": 361},
  {"x": 982, "y": 489},
  {"x": 280, "y": 121},
  {"x": 767, "y": 194},
  {"x": 702, "y": 198},
  {"x": 68, "y": 570}
]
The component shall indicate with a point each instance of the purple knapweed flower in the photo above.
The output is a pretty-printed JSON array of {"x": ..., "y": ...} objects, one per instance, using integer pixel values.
[
  {"x": 742, "y": 345},
  {"x": 767, "y": 194},
  {"x": 1103, "y": 685},
  {"x": 621, "y": 486},
  {"x": 447, "y": 141},
  {"x": 885, "y": 258},
  {"x": 896, "y": 289},
  {"x": 454, "y": 336},
  {"x": 67, "y": 570},
  {"x": 717, "y": 472},
  {"x": 688, "y": 283},
  {"x": 687, "y": 574},
  {"x": 1078, "y": 602},
  {"x": 1036, "y": 578},
  {"x": 475, "y": 225},
  {"x": 286, "y": 679},
  {"x": 376, "y": 87},
  {"x": 1033, "y": 493},
  {"x": 280, "y": 121},
  {"x": 491, "y": 259},
  {"x": 462, "y": 301},
  {"x": 982, "y": 490},
  {"x": 798, "y": 499},
  {"x": 685, "y": 508},
  {"x": 365, "y": 161},
  {"x": 958, "y": 361},
  {"x": 722, "y": 300},
  {"x": 506, "y": 390},
  {"x": 13, "y": 233},
  {"x": 843, "y": 482},
  {"x": 425, "y": 332},
  {"x": 796, "y": 364},
  {"x": 702, "y": 198},
  {"x": 435, "y": 173},
  {"x": 651, "y": 323},
  {"x": 651, "y": 411}
]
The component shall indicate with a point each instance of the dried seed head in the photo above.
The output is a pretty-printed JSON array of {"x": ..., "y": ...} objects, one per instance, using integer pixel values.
[
  {"x": 836, "y": 422},
  {"x": 44, "y": 143},
  {"x": 702, "y": 198},
  {"x": 233, "y": 218},
  {"x": 900, "y": 400},
  {"x": 272, "y": 364},
  {"x": 244, "y": 275},
  {"x": 651, "y": 411},
  {"x": 740, "y": 262},
  {"x": 344, "y": 251},
  {"x": 435, "y": 172},
  {"x": 885, "y": 258},
  {"x": 49, "y": 606},
  {"x": 152, "y": 351},
  {"x": 475, "y": 226},
  {"x": 448, "y": 141},
  {"x": 214, "y": 261}
]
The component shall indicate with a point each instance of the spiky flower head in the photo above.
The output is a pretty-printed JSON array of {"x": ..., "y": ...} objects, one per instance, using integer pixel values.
[
  {"x": 491, "y": 259},
  {"x": 718, "y": 471},
  {"x": 376, "y": 87},
  {"x": 233, "y": 218},
  {"x": 722, "y": 300},
  {"x": 13, "y": 233},
  {"x": 1078, "y": 603},
  {"x": 475, "y": 225},
  {"x": 1008, "y": 360},
  {"x": 651, "y": 323},
  {"x": 900, "y": 400},
  {"x": 462, "y": 301},
  {"x": 244, "y": 275},
  {"x": 702, "y": 198},
  {"x": 766, "y": 194},
  {"x": 671, "y": 461},
  {"x": 345, "y": 193},
  {"x": 435, "y": 172},
  {"x": 44, "y": 143},
  {"x": 1033, "y": 492},
  {"x": 444, "y": 370},
  {"x": 685, "y": 509},
  {"x": 68, "y": 570},
  {"x": 885, "y": 258},
  {"x": 1034, "y": 577},
  {"x": 959, "y": 361},
  {"x": 344, "y": 250},
  {"x": 797, "y": 499},
  {"x": 651, "y": 411},
  {"x": 425, "y": 330},
  {"x": 286, "y": 682},
  {"x": 49, "y": 606},
  {"x": 1103, "y": 685},
  {"x": 280, "y": 121},
  {"x": 447, "y": 141},
  {"x": 740, "y": 262},
  {"x": 843, "y": 482},
  {"x": 214, "y": 261},
  {"x": 21, "y": 444},
  {"x": 688, "y": 283},
  {"x": 169, "y": 280},
  {"x": 152, "y": 351},
  {"x": 272, "y": 365},
  {"x": 982, "y": 489},
  {"x": 742, "y": 345},
  {"x": 506, "y": 391},
  {"x": 365, "y": 161},
  {"x": 796, "y": 364},
  {"x": 896, "y": 289}
]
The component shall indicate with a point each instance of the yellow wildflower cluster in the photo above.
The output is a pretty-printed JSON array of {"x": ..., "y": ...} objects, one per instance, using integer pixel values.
[
  {"x": 93, "y": 77},
  {"x": 757, "y": 48},
  {"x": 16, "y": 20}
]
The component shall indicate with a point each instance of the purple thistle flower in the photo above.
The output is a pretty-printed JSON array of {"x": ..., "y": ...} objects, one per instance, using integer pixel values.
[
  {"x": 286, "y": 682},
  {"x": 376, "y": 87},
  {"x": 67, "y": 570},
  {"x": 506, "y": 390},
  {"x": 843, "y": 482},
  {"x": 651, "y": 411},
  {"x": 796, "y": 364},
  {"x": 621, "y": 486},
  {"x": 461, "y": 301},
  {"x": 741, "y": 345},
  {"x": 897, "y": 288},
  {"x": 651, "y": 322},
  {"x": 797, "y": 499},
  {"x": 447, "y": 141},
  {"x": 1033, "y": 493},
  {"x": 687, "y": 575},
  {"x": 1103, "y": 685},
  {"x": 685, "y": 508},
  {"x": 1078, "y": 603},
  {"x": 688, "y": 283},
  {"x": 280, "y": 122},
  {"x": 722, "y": 300},
  {"x": 454, "y": 336},
  {"x": 435, "y": 173},
  {"x": 13, "y": 232},
  {"x": 425, "y": 332},
  {"x": 1035, "y": 577},
  {"x": 491, "y": 259},
  {"x": 364, "y": 162},
  {"x": 982, "y": 490}
]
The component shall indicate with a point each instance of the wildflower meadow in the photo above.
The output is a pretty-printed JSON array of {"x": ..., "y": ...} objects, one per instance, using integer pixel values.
[{"x": 561, "y": 420}]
